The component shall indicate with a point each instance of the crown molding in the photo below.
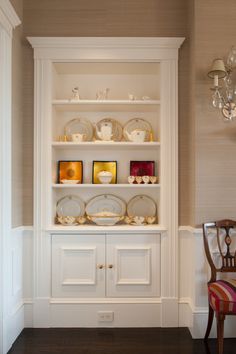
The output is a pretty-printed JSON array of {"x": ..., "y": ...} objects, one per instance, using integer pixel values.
[
  {"x": 8, "y": 16},
  {"x": 103, "y": 48},
  {"x": 111, "y": 42}
]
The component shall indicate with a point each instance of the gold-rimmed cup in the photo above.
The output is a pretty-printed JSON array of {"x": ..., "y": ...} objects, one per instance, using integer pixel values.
[{"x": 138, "y": 179}]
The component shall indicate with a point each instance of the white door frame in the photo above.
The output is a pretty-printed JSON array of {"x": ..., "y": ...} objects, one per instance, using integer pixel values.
[{"x": 8, "y": 21}]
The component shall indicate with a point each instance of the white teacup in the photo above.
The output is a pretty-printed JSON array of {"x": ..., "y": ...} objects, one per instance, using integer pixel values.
[
  {"x": 81, "y": 220},
  {"x": 128, "y": 219},
  {"x": 153, "y": 179},
  {"x": 66, "y": 220},
  {"x": 139, "y": 220},
  {"x": 146, "y": 179},
  {"x": 78, "y": 138},
  {"x": 150, "y": 219},
  {"x": 138, "y": 179},
  {"x": 131, "y": 179}
]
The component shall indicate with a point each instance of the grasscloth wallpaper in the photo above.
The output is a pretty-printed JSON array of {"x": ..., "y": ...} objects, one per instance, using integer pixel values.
[
  {"x": 207, "y": 187},
  {"x": 17, "y": 120},
  {"x": 215, "y": 141}
]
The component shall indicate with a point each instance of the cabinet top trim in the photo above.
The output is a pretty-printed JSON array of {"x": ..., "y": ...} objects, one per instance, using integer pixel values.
[
  {"x": 69, "y": 49},
  {"x": 107, "y": 42}
]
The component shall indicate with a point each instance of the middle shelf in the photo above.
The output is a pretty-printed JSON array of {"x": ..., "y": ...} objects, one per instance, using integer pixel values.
[{"x": 118, "y": 185}]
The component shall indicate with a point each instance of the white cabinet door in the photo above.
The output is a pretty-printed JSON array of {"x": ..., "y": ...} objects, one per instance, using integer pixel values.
[
  {"x": 133, "y": 265},
  {"x": 78, "y": 266}
]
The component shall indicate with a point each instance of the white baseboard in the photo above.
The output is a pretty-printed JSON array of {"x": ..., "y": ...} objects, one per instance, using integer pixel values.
[
  {"x": 15, "y": 324},
  {"x": 196, "y": 320},
  {"x": 28, "y": 314}
]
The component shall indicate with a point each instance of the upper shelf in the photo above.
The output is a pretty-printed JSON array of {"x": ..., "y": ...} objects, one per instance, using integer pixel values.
[
  {"x": 101, "y": 145},
  {"x": 106, "y": 105}
]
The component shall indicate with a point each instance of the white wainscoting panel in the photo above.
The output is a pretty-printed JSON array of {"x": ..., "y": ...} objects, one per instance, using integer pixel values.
[{"x": 15, "y": 314}]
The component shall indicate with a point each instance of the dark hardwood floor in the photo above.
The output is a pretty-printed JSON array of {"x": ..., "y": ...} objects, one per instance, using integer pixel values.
[{"x": 114, "y": 341}]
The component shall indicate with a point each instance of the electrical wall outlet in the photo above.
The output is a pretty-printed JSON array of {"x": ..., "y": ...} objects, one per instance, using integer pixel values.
[{"x": 105, "y": 316}]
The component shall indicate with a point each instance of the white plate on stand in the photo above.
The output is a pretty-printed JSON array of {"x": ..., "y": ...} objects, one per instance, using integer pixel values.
[
  {"x": 79, "y": 126},
  {"x": 70, "y": 205},
  {"x": 141, "y": 205},
  {"x": 137, "y": 124}
]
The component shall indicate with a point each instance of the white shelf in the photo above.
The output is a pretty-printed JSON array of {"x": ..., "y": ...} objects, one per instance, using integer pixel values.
[
  {"x": 102, "y": 145},
  {"x": 118, "y": 185},
  {"x": 105, "y": 105},
  {"x": 89, "y": 228}
]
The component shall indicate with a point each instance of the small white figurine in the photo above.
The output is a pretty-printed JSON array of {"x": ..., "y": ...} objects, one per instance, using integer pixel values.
[
  {"x": 75, "y": 94},
  {"x": 102, "y": 94}
]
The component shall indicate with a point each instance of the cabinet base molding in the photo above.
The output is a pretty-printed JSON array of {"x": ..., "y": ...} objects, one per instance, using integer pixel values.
[
  {"x": 128, "y": 312},
  {"x": 86, "y": 315}
]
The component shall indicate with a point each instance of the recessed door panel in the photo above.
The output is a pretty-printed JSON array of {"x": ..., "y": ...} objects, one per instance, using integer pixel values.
[
  {"x": 78, "y": 266},
  {"x": 133, "y": 265}
]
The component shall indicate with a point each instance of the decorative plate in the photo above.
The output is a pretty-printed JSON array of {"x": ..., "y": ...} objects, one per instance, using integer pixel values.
[
  {"x": 141, "y": 205},
  {"x": 79, "y": 126},
  {"x": 102, "y": 130},
  {"x": 107, "y": 204},
  {"x": 70, "y": 205},
  {"x": 137, "y": 124}
]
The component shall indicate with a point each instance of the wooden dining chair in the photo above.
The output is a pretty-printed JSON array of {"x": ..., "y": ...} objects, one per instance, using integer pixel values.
[{"x": 221, "y": 292}]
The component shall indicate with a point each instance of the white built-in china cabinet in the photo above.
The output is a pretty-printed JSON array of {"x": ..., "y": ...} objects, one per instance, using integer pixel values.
[{"x": 90, "y": 275}]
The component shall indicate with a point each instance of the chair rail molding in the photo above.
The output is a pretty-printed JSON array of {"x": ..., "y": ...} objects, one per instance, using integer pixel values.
[{"x": 8, "y": 21}]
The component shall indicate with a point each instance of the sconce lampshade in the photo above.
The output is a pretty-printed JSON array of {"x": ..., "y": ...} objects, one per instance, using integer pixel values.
[{"x": 217, "y": 68}]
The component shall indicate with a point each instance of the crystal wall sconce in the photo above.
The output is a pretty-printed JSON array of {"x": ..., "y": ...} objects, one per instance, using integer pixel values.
[{"x": 224, "y": 89}]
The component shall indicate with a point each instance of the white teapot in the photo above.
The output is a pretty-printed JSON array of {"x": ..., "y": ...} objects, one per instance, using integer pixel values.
[
  {"x": 137, "y": 136},
  {"x": 106, "y": 132}
]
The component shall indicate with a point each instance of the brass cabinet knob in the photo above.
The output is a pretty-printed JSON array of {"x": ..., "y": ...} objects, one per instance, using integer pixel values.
[
  {"x": 100, "y": 266},
  {"x": 110, "y": 266}
]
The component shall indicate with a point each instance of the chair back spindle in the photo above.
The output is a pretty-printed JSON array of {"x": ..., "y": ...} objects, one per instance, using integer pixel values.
[{"x": 223, "y": 231}]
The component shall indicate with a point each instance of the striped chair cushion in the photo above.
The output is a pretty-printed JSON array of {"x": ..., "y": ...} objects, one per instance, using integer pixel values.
[{"x": 222, "y": 295}]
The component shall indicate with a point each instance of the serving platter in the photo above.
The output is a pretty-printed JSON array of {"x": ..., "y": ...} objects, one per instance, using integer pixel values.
[{"x": 106, "y": 203}]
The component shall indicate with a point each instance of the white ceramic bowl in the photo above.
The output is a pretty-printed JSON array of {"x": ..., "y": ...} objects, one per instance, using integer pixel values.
[
  {"x": 70, "y": 181},
  {"x": 105, "y": 177},
  {"x": 105, "y": 220}
]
